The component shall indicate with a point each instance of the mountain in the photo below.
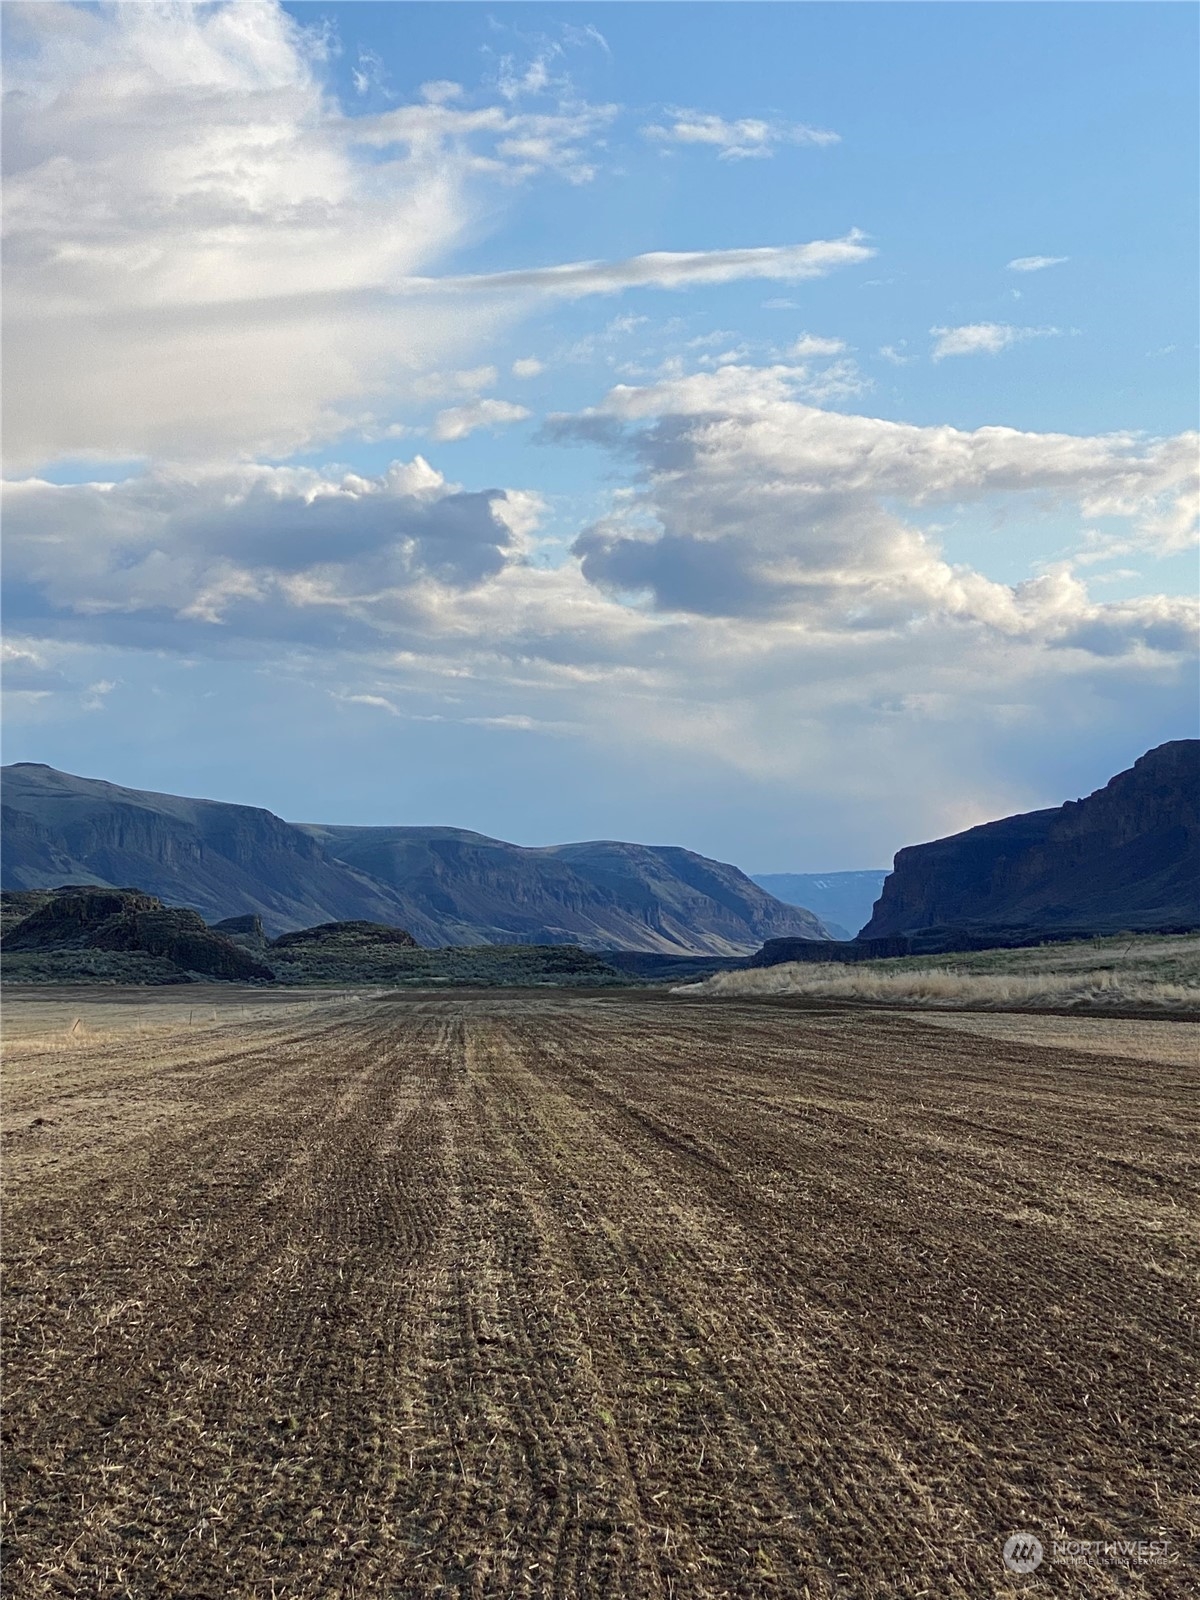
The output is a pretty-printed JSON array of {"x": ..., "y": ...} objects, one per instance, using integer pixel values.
[
  {"x": 1125, "y": 857},
  {"x": 222, "y": 860},
  {"x": 444, "y": 885},
  {"x": 601, "y": 895},
  {"x": 843, "y": 900}
]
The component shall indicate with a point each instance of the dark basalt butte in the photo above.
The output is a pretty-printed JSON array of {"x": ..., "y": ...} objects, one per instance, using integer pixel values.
[
  {"x": 128, "y": 920},
  {"x": 1124, "y": 858}
]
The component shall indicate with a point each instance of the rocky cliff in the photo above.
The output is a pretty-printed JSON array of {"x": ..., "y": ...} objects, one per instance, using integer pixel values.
[
  {"x": 446, "y": 886},
  {"x": 601, "y": 895},
  {"x": 1125, "y": 857},
  {"x": 223, "y": 860}
]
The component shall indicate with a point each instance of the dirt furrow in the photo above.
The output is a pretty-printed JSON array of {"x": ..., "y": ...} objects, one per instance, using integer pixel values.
[{"x": 560, "y": 1297}]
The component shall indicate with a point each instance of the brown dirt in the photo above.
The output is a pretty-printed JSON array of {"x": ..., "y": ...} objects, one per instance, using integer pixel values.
[{"x": 597, "y": 1298}]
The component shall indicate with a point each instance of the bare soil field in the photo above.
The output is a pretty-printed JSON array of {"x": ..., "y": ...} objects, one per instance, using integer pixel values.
[{"x": 593, "y": 1296}]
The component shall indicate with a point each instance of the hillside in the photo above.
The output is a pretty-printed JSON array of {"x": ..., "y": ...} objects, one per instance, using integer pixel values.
[
  {"x": 601, "y": 895},
  {"x": 223, "y": 860},
  {"x": 1125, "y": 857},
  {"x": 446, "y": 886}
]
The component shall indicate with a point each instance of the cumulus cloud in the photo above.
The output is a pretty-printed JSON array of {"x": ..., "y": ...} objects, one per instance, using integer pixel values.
[
  {"x": 812, "y": 344},
  {"x": 759, "y": 505},
  {"x": 759, "y": 607},
  {"x": 255, "y": 549},
  {"x": 753, "y": 522},
  {"x": 528, "y": 367},
  {"x": 983, "y": 338},
  {"x": 1035, "y": 263},
  {"x": 739, "y": 140},
  {"x": 459, "y": 421}
]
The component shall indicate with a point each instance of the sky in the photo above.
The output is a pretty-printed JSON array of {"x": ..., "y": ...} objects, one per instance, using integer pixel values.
[{"x": 768, "y": 429}]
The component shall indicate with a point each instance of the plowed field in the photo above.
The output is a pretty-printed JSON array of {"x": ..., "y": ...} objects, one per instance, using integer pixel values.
[{"x": 597, "y": 1298}]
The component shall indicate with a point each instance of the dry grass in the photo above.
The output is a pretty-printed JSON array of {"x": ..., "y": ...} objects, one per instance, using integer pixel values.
[{"x": 1146, "y": 973}]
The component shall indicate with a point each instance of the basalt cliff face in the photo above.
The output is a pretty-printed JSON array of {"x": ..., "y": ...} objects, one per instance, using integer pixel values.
[
  {"x": 223, "y": 860},
  {"x": 601, "y": 895},
  {"x": 1125, "y": 857},
  {"x": 446, "y": 886}
]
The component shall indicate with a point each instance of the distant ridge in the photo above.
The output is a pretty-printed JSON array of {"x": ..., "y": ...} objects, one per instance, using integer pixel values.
[
  {"x": 843, "y": 900},
  {"x": 443, "y": 885}
]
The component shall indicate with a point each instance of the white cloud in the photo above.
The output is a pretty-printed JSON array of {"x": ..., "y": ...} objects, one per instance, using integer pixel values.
[
  {"x": 459, "y": 421},
  {"x": 207, "y": 257},
  {"x": 811, "y": 344},
  {"x": 96, "y": 693},
  {"x": 747, "y": 510},
  {"x": 1036, "y": 263},
  {"x": 734, "y": 141},
  {"x": 369, "y": 74},
  {"x": 172, "y": 555},
  {"x": 840, "y": 380},
  {"x": 759, "y": 505},
  {"x": 983, "y": 338},
  {"x": 528, "y": 367},
  {"x": 203, "y": 251},
  {"x": 659, "y": 269},
  {"x": 440, "y": 91},
  {"x": 377, "y": 701},
  {"x": 763, "y": 570}
]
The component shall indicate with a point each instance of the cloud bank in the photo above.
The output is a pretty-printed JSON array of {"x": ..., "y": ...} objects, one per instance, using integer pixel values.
[{"x": 758, "y": 505}]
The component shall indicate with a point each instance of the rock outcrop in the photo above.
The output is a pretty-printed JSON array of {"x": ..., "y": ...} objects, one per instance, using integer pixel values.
[
  {"x": 131, "y": 922},
  {"x": 346, "y": 935},
  {"x": 1124, "y": 858}
]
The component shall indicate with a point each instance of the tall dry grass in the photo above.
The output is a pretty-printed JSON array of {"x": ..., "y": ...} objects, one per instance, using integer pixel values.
[{"x": 1102, "y": 989}]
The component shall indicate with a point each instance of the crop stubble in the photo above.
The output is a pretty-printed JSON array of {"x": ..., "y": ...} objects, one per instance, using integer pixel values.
[{"x": 594, "y": 1297}]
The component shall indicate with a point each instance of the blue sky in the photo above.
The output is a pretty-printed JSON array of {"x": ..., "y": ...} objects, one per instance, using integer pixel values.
[{"x": 764, "y": 428}]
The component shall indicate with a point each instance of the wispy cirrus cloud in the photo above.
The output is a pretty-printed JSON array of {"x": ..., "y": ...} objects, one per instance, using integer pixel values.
[
  {"x": 658, "y": 269},
  {"x": 738, "y": 140},
  {"x": 984, "y": 338},
  {"x": 1036, "y": 263},
  {"x": 207, "y": 257}
]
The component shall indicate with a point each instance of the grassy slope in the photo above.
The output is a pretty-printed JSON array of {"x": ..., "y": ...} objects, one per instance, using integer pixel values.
[{"x": 1143, "y": 970}]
